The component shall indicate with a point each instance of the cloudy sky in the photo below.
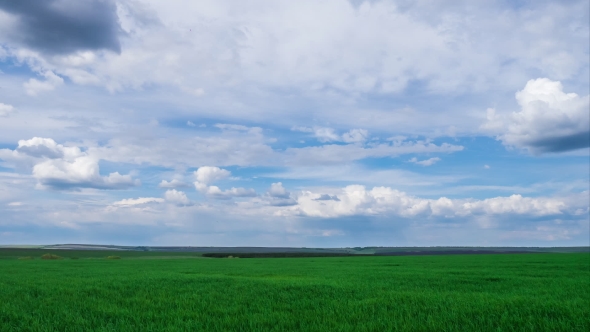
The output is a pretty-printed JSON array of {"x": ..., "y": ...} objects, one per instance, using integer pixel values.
[{"x": 294, "y": 123}]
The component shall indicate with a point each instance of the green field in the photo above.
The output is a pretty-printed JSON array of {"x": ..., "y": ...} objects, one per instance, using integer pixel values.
[{"x": 139, "y": 292}]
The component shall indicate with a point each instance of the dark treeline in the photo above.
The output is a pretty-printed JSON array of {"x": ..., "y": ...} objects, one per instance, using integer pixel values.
[{"x": 275, "y": 255}]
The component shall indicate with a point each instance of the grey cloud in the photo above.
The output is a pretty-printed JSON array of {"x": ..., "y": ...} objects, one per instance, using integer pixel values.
[
  {"x": 64, "y": 184},
  {"x": 65, "y": 26},
  {"x": 326, "y": 197},
  {"x": 282, "y": 202},
  {"x": 562, "y": 144}
]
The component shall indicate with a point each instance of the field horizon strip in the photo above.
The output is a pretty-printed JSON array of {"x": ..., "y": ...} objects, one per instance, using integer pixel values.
[{"x": 493, "y": 292}]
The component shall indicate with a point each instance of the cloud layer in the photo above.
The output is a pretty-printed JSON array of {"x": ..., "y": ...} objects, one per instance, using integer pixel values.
[{"x": 333, "y": 123}]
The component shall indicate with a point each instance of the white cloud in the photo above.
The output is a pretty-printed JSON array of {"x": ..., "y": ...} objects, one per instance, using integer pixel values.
[
  {"x": 210, "y": 174},
  {"x": 190, "y": 124},
  {"x": 57, "y": 166},
  {"x": 5, "y": 109},
  {"x": 215, "y": 192},
  {"x": 174, "y": 183},
  {"x": 357, "y": 200},
  {"x": 173, "y": 196},
  {"x": 276, "y": 45},
  {"x": 550, "y": 120},
  {"x": 176, "y": 197},
  {"x": 82, "y": 172},
  {"x": 427, "y": 162},
  {"x": 324, "y": 134},
  {"x": 138, "y": 201},
  {"x": 34, "y": 86}
]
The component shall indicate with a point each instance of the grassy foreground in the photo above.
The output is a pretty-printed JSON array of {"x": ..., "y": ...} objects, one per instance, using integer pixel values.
[{"x": 521, "y": 292}]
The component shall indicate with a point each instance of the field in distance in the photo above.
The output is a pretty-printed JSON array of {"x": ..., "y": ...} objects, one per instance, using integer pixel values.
[
  {"x": 97, "y": 251},
  {"x": 534, "y": 292}
]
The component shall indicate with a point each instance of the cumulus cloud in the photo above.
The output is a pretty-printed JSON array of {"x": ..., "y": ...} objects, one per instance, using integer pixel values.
[
  {"x": 208, "y": 174},
  {"x": 358, "y": 200},
  {"x": 176, "y": 197},
  {"x": 5, "y": 109},
  {"x": 39, "y": 147},
  {"x": 277, "y": 195},
  {"x": 81, "y": 172},
  {"x": 277, "y": 190},
  {"x": 64, "y": 26},
  {"x": 549, "y": 120},
  {"x": 427, "y": 162},
  {"x": 65, "y": 167}
]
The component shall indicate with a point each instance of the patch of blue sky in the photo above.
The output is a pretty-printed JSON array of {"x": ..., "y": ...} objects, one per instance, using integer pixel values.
[
  {"x": 11, "y": 66},
  {"x": 486, "y": 168}
]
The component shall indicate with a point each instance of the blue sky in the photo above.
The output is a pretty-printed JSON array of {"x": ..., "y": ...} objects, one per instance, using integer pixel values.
[{"x": 295, "y": 123}]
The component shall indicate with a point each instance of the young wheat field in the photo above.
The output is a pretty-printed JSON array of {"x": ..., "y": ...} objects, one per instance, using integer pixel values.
[{"x": 181, "y": 292}]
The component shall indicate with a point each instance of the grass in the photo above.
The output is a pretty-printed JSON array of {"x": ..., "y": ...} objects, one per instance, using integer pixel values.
[{"x": 521, "y": 292}]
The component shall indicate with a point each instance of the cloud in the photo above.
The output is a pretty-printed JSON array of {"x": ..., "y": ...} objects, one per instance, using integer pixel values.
[
  {"x": 82, "y": 172},
  {"x": 427, "y": 162},
  {"x": 326, "y": 197},
  {"x": 338, "y": 154},
  {"x": 277, "y": 190},
  {"x": 208, "y": 174},
  {"x": 34, "y": 86},
  {"x": 239, "y": 128},
  {"x": 174, "y": 183},
  {"x": 61, "y": 167},
  {"x": 39, "y": 147},
  {"x": 5, "y": 109},
  {"x": 324, "y": 134},
  {"x": 355, "y": 136},
  {"x": 172, "y": 196},
  {"x": 138, "y": 201},
  {"x": 177, "y": 197},
  {"x": 357, "y": 200},
  {"x": 277, "y": 195},
  {"x": 64, "y": 26},
  {"x": 549, "y": 120},
  {"x": 215, "y": 192}
]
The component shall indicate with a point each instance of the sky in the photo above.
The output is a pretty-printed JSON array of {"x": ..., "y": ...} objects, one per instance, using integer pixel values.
[{"x": 336, "y": 123}]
